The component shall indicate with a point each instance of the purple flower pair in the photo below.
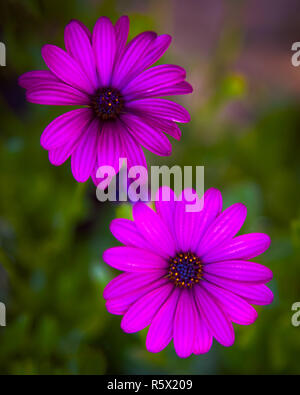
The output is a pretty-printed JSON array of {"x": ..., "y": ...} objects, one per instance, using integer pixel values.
[{"x": 186, "y": 274}]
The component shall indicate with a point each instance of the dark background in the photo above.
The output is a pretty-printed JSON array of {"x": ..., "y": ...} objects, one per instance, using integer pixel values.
[{"x": 245, "y": 131}]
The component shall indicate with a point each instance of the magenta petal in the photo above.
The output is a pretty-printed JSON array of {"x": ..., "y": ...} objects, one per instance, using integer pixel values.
[
  {"x": 161, "y": 329},
  {"x": 127, "y": 233},
  {"x": 258, "y": 294},
  {"x": 155, "y": 51},
  {"x": 243, "y": 271},
  {"x": 185, "y": 324},
  {"x": 140, "y": 314},
  {"x": 238, "y": 310},
  {"x": 104, "y": 45},
  {"x": 224, "y": 227},
  {"x": 153, "y": 229},
  {"x": 66, "y": 68},
  {"x": 133, "y": 259},
  {"x": 58, "y": 156},
  {"x": 242, "y": 247},
  {"x": 129, "y": 64},
  {"x": 132, "y": 150},
  {"x": 212, "y": 206},
  {"x": 181, "y": 88},
  {"x": 152, "y": 139},
  {"x": 150, "y": 54},
  {"x": 121, "y": 31},
  {"x": 214, "y": 317},
  {"x": 56, "y": 93},
  {"x": 110, "y": 148},
  {"x": 165, "y": 126},
  {"x": 186, "y": 223},
  {"x": 78, "y": 45},
  {"x": 120, "y": 305},
  {"x": 118, "y": 287},
  {"x": 161, "y": 108},
  {"x": 32, "y": 79},
  {"x": 68, "y": 126},
  {"x": 203, "y": 338},
  {"x": 84, "y": 157},
  {"x": 144, "y": 55},
  {"x": 165, "y": 206},
  {"x": 84, "y": 27},
  {"x": 158, "y": 77}
]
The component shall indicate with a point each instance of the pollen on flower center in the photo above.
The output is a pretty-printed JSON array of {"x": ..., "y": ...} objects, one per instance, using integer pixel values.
[
  {"x": 185, "y": 269},
  {"x": 107, "y": 103}
]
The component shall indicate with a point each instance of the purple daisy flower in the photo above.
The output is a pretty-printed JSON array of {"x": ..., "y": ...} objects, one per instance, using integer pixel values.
[
  {"x": 118, "y": 90},
  {"x": 187, "y": 275}
]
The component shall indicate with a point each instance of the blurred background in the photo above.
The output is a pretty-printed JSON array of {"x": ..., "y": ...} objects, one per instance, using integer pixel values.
[{"x": 245, "y": 131}]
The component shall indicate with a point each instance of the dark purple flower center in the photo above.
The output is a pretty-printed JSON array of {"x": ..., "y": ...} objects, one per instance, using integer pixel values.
[
  {"x": 185, "y": 269},
  {"x": 107, "y": 103}
]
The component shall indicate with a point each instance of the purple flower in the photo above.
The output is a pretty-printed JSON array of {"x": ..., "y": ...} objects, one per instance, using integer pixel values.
[
  {"x": 187, "y": 275},
  {"x": 117, "y": 89}
]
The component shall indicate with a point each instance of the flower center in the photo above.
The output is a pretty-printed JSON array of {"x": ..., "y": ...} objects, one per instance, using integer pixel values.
[
  {"x": 185, "y": 269},
  {"x": 107, "y": 103}
]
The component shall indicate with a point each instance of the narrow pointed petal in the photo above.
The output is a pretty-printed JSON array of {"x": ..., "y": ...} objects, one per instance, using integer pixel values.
[
  {"x": 56, "y": 93},
  {"x": 239, "y": 270},
  {"x": 152, "y": 52},
  {"x": 152, "y": 139},
  {"x": 66, "y": 68},
  {"x": 121, "y": 31},
  {"x": 153, "y": 229},
  {"x": 84, "y": 157},
  {"x": 32, "y": 79},
  {"x": 165, "y": 206},
  {"x": 68, "y": 126},
  {"x": 129, "y": 64},
  {"x": 157, "y": 77},
  {"x": 203, "y": 338},
  {"x": 104, "y": 45},
  {"x": 161, "y": 329},
  {"x": 79, "y": 46},
  {"x": 127, "y": 233},
  {"x": 155, "y": 51},
  {"x": 217, "y": 321},
  {"x": 238, "y": 310},
  {"x": 212, "y": 207},
  {"x": 246, "y": 246},
  {"x": 258, "y": 294},
  {"x": 185, "y": 324},
  {"x": 118, "y": 287},
  {"x": 133, "y": 150},
  {"x": 186, "y": 222},
  {"x": 224, "y": 227},
  {"x": 110, "y": 147},
  {"x": 141, "y": 313},
  {"x": 120, "y": 305},
  {"x": 161, "y": 108},
  {"x": 165, "y": 126},
  {"x": 133, "y": 259},
  {"x": 58, "y": 156},
  {"x": 180, "y": 88},
  {"x": 84, "y": 27}
]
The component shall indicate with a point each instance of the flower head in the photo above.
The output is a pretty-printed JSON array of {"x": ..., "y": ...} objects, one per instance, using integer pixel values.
[
  {"x": 187, "y": 275},
  {"x": 117, "y": 90}
]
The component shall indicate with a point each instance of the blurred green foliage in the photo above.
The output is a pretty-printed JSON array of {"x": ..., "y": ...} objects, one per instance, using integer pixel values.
[{"x": 53, "y": 230}]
